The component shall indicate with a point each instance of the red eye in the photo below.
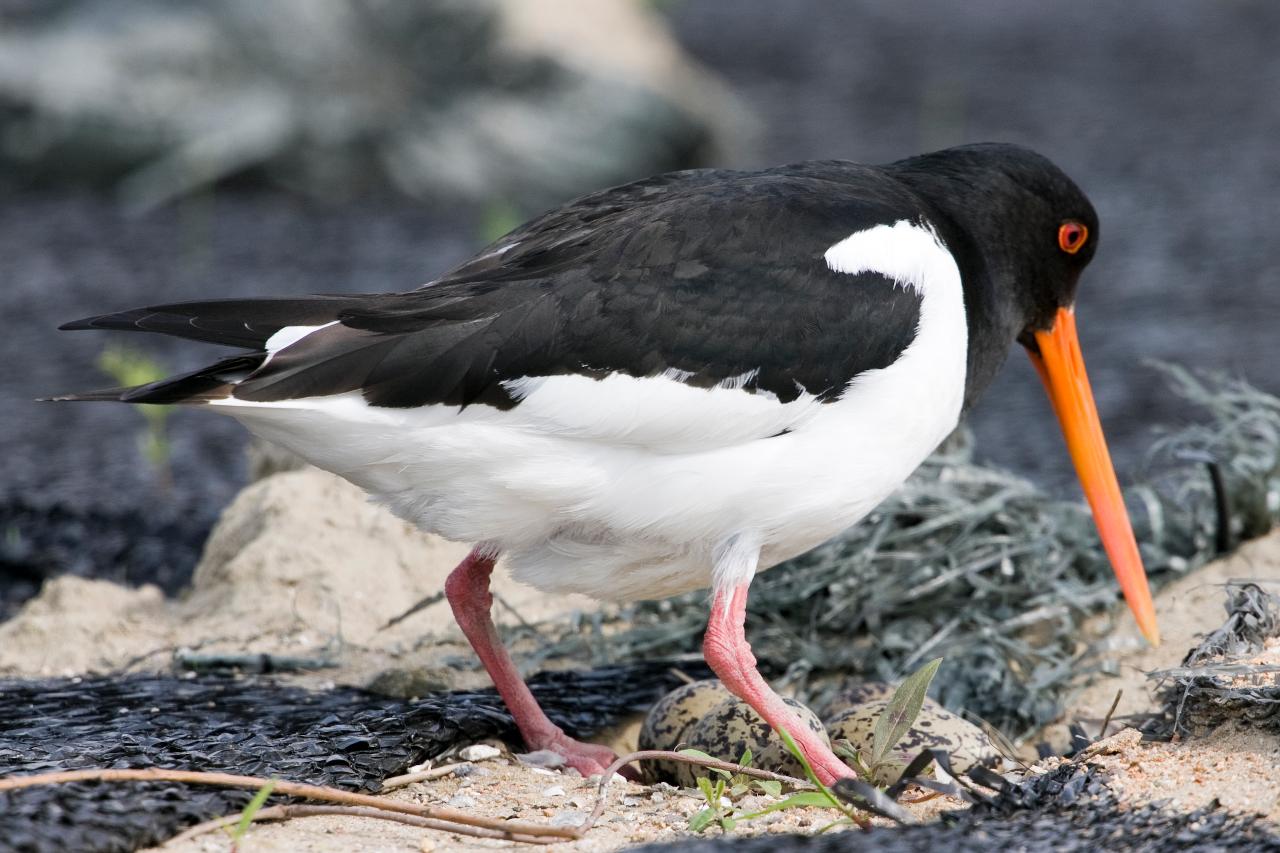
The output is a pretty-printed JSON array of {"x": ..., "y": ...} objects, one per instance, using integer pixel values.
[{"x": 1072, "y": 236}]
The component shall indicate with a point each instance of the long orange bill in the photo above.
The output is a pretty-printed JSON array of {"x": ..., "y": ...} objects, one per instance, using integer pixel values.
[{"x": 1061, "y": 366}]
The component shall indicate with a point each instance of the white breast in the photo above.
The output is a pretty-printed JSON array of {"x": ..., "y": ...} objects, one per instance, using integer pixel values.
[{"x": 623, "y": 488}]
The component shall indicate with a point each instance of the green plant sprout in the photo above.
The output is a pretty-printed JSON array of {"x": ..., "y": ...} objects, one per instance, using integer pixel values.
[
  {"x": 128, "y": 367},
  {"x": 891, "y": 726},
  {"x": 255, "y": 805},
  {"x": 902, "y": 712},
  {"x": 728, "y": 785}
]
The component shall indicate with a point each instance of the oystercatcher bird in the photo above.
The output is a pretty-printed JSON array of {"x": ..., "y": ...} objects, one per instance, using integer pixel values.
[{"x": 677, "y": 383}]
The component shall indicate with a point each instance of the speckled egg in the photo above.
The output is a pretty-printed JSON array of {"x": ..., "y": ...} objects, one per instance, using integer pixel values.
[
  {"x": 934, "y": 728},
  {"x": 731, "y": 727},
  {"x": 854, "y": 694},
  {"x": 667, "y": 723}
]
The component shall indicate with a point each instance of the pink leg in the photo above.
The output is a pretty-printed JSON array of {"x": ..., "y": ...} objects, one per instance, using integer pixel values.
[
  {"x": 467, "y": 590},
  {"x": 727, "y": 652}
]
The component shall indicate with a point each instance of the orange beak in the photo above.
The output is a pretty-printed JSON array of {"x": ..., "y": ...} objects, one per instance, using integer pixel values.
[{"x": 1061, "y": 366}]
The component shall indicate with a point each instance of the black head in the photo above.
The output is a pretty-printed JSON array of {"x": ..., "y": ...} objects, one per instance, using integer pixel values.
[{"x": 1021, "y": 231}]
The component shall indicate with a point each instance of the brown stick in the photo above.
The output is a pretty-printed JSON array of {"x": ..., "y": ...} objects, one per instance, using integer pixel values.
[
  {"x": 421, "y": 776},
  {"x": 509, "y": 829},
  {"x": 283, "y": 813}
]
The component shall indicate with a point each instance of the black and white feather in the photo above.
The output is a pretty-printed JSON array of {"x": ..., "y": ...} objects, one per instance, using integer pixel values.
[{"x": 626, "y": 390}]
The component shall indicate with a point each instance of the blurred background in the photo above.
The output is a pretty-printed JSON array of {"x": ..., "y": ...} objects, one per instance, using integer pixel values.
[{"x": 162, "y": 150}]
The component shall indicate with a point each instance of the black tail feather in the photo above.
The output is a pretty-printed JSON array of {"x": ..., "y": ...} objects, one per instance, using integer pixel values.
[
  {"x": 102, "y": 395},
  {"x": 213, "y": 382},
  {"x": 244, "y": 323}
]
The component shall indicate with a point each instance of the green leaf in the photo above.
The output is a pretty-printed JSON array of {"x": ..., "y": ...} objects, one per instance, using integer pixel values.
[
  {"x": 704, "y": 785},
  {"x": 831, "y": 799},
  {"x": 702, "y": 820},
  {"x": 902, "y": 711},
  {"x": 738, "y": 790},
  {"x": 745, "y": 760},
  {"x": 246, "y": 816},
  {"x": 697, "y": 753},
  {"x": 772, "y": 787},
  {"x": 844, "y": 821},
  {"x": 790, "y": 743},
  {"x": 803, "y": 799},
  {"x": 728, "y": 824},
  {"x": 844, "y": 749}
]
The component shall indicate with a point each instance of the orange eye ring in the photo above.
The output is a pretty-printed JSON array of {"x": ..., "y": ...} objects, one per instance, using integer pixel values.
[{"x": 1072, "y": 236}]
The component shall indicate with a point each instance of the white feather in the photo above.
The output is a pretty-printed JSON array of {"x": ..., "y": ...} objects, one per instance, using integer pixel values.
[{"x": 288, "y": 336}]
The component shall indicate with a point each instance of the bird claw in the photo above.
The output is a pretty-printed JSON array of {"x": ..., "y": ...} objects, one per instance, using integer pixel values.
[{"x": 589, "y": 759}]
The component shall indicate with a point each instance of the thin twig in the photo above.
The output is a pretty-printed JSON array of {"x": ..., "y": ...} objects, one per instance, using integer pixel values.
[
  {"x": 1107, "y": 721},
  {"x": 508, "y": 829},
  {"x": 684, "y": 677},
  {"x": 667, "y": 755},
  {"x": 422, "y": 775},
  {"x": 419, "y": 606},
  {"x": 290, "y": 812}
]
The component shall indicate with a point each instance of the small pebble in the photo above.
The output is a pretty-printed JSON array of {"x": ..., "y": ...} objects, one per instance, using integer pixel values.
[
  {"x": 543, "y": 758},
  {"x": 478, "y": 752},
  {"x": 553, "y": 791},
  {"x": 461, "y": 801},
  {"x": 569, "y": 818}
]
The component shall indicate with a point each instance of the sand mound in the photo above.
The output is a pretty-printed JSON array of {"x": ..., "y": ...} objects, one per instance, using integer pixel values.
[{"x": 299, "y": 565}]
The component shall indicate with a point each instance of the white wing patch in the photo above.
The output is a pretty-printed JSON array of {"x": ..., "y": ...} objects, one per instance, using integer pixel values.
[
  {"x": 290, "y": 335},
  {"x": 910, "y": 254}
]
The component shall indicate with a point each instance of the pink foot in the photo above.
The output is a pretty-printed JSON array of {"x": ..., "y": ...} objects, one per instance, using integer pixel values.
[{"x": 589, "y": 759}]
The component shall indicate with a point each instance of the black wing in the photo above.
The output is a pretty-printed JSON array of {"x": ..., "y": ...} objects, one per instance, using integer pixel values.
[{"x": 714, "y": 275}]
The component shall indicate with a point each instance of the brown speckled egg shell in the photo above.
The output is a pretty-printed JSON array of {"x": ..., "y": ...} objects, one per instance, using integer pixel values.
[
  {"x": 667, "y": 723},
  {"x": 934, "y": 728},
  {"x": 854, "y": 694},
  {"x": 731, "y": 727}
]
